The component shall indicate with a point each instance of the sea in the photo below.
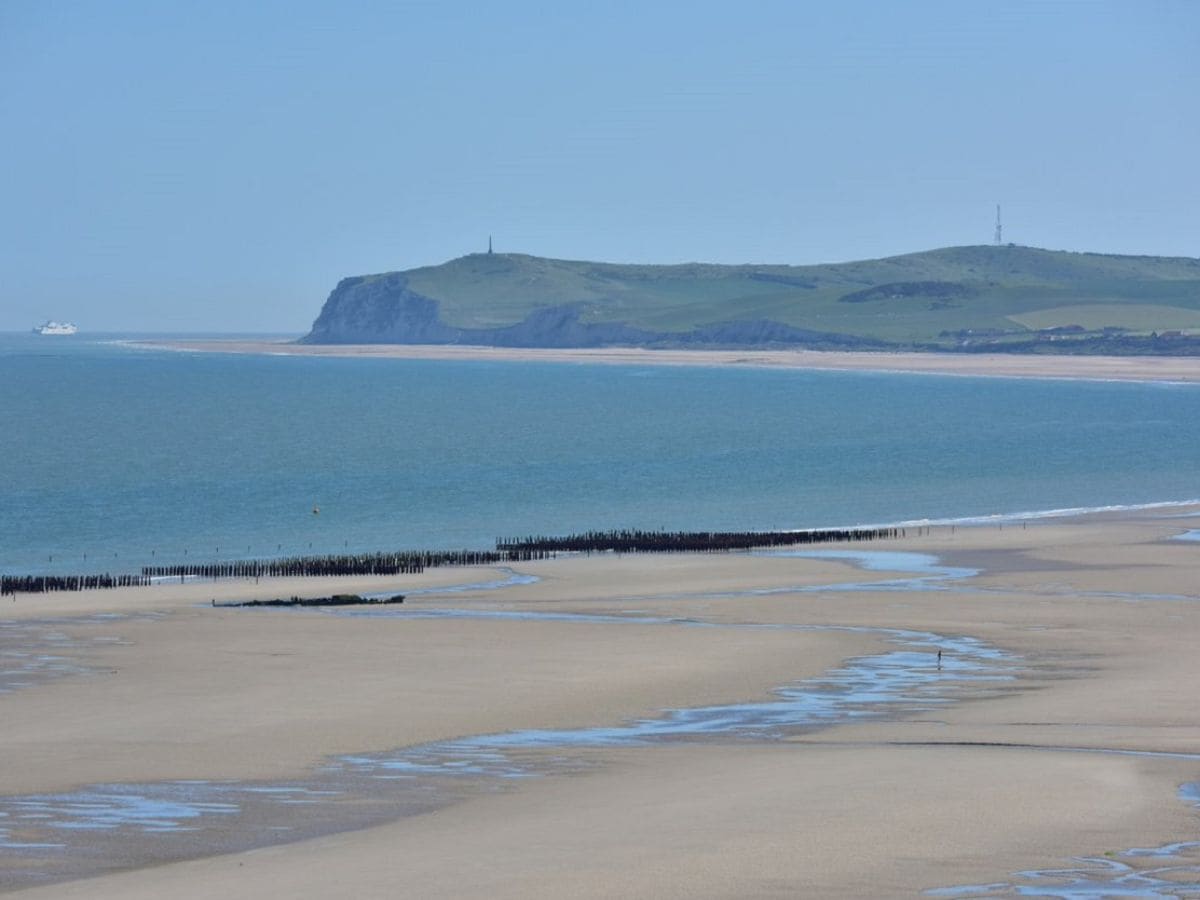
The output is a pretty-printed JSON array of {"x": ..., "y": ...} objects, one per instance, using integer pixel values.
[{"x": 114, "y": 456}]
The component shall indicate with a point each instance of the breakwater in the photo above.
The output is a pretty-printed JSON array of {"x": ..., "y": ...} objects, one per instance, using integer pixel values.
[
  {"x": 413, "y": 562},
  {"x": 408, "y": 562},
  {"x": 635, "y": 541},
  {"x": 405, "y": 562},
  {"x": 40, "y": 584}
]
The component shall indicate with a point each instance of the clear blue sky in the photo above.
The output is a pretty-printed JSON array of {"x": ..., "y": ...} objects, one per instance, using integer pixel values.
[{"x": 220, "y": 165}]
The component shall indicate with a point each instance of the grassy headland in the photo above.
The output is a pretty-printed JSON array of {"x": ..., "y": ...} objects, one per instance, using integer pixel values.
[{"x": 993, "y": 297}]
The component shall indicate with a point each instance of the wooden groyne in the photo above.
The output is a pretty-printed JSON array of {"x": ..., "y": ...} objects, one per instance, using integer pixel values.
[
  {"x": 634, "y": 541},
  {"x": 40, "y": 584},
  {"x": 414, "y": 562},
  {"x": 407, "y": 562}
]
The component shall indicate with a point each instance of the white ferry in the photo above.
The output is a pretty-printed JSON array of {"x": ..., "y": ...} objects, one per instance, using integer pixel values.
[{"x": 53, "y": 327}]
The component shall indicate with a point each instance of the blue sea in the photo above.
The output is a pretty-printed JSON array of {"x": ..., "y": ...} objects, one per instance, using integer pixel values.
[{"x": 113, "y": 457}]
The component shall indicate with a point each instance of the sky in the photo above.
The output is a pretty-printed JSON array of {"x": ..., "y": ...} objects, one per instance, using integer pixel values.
[{"x": 219, "y": 166}]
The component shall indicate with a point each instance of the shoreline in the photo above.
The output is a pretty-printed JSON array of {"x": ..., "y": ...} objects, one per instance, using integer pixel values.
[
  {"x": 1184, "y": 508},
  {"x": 1164, "y": 369},
  {"x": 1083, "y": 754}
]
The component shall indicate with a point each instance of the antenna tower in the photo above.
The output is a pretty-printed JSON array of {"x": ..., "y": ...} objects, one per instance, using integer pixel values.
[{"x": 999, "y": 239}]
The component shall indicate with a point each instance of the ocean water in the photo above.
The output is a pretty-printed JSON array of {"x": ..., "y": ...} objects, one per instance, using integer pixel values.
[{"x": 112, "y": 457}]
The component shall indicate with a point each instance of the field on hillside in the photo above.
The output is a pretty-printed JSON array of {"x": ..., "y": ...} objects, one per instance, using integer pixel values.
[{"x": 901, "y": 299}]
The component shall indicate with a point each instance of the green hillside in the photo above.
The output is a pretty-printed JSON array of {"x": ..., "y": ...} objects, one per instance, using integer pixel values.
[
  {"x": 947, "y": 297},
  {"x": 958, "y": 288}
]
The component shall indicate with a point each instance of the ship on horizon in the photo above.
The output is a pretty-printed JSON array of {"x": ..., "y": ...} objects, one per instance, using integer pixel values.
[{"x": 52, "y": 327}]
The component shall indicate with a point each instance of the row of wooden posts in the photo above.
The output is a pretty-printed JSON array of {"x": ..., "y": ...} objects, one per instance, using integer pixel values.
[
  {"x": 637, "y": 541},
  {"x": 411, "y": 562}
]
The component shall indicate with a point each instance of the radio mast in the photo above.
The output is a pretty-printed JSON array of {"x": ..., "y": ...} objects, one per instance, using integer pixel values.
[{"x": 999, "y": 240}]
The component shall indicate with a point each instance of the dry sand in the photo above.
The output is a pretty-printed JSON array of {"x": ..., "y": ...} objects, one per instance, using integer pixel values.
[
  {"x": 1010, "y": 365},
  {"x": 968, "y": 793}
]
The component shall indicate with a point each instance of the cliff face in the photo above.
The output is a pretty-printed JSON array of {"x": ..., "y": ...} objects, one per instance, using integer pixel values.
[
  {"x": 379, "y": 311},
  {"x": 385, "y": 310}
]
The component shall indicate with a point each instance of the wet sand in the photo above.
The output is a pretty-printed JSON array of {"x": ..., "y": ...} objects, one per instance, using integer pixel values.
[
  {"x": 1008, "y": 365},
  {"x": 1100, "y": 614}
]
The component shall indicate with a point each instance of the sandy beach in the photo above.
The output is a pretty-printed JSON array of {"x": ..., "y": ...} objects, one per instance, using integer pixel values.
[
  {"x": 1106, "y": 368},
  {"x": 1076, "y": 744}
]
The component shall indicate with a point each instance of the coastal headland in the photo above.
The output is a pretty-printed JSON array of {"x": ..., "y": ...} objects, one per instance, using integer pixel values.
[
  {"x": 990, "y": 298},
  {"x": 1007, "y": 365},
  {"x": 958, "y": 705}
]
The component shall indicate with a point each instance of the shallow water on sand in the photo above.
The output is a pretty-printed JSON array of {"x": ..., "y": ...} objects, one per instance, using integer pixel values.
[
  {"x": 34, "y": 651},
  {"x": 1173, "y": 871},
  {"x": 51, "y": 837}
]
